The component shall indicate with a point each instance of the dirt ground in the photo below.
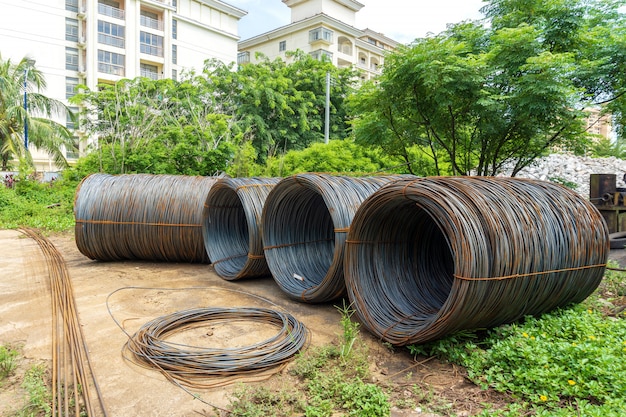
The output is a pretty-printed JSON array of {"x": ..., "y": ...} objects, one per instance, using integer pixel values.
[{"x": 134, "y": 292}]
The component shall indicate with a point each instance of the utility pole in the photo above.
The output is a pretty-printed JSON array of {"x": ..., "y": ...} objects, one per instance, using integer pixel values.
[{"x": 327, "y": 121}]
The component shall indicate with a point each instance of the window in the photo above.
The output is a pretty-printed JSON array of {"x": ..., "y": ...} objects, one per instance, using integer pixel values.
[
  {"x": 322, "y": 55},
  {"x": 321, "y": 34},
  {"x": 150, "y": 44},
  {"x": 71, "y": 59},
  {"x": 174, "y": 75},
  {"x": 71, "y": 29},
  {"x": 174, "y": 29},
  {"x": 69, "y": 119},
  {"x": 150, "y": 20},
  {"x": 282, "y": 46},
  {"x": 71, "y": 5},
  {"x": 110, "y": 63},
  {"x": 174, "y": 54},
  {"x": 149, "y": 71},
  {"x": 70, "y": 86},
  {"x": 111, "y": 34},
  {"x": 243, "y": 58}
]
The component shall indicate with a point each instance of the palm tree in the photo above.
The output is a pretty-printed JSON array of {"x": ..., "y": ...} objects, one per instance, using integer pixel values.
[{"x": 44, "y": 133}]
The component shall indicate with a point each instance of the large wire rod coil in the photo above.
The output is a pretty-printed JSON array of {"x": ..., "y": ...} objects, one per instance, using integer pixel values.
[
  {"x": 231, "y": 226},
  {"x": 305, "y": 220},
  {"x": 141, "y": 216},
  {"x": 428, "y": 257},
  {"x": 190, "y": 366}
]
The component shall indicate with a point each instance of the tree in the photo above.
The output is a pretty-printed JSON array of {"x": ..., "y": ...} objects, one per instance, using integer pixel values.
[
  {"x": 43, "y": 132},
  {"x": 478, "y": 98},
  {"x": 280, "y": 106}
]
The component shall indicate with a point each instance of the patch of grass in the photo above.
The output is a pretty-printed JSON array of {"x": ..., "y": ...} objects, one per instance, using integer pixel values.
[
  {"x": 570, "y": 361},
  {"x": 44, "y": 206},
  {"x": 8, "y": 361},
  {"x": 39, "y": 398}
]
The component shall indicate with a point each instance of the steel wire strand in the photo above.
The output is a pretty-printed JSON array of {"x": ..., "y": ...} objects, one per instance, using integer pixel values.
[
  {"x": 194, "y": 366},
  {"x": 73, "y": 378},
  {"x": 305, "y": 220},
  {"x": 231, "y": 226},
  {"x": 141, "y": 216},
  {"x": 428, "y": 257}
]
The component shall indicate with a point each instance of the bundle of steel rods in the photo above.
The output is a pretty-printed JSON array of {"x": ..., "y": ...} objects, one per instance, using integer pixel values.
[
  {"x": 73, "y": 381},
  {"x": 231, "y": 226},
  {"x": 428, "y": 257},
  {"x": 199, "y": 366},
  {"x": 305, "y": 222},
  {"x": 141, "y": 216}
]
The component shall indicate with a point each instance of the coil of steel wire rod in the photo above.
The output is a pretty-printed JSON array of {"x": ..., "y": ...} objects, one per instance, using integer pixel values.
[
  {"x": 428, "y": 257},
  {"x": 141, "y": 216},
  {"x": 305, "y": 220},
  {"x": 191, "y": 365},
  {"x": 231, "y": 226}
]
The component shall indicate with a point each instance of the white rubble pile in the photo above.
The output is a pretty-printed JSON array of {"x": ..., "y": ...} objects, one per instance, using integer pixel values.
[{"x": 574, "y": 169}]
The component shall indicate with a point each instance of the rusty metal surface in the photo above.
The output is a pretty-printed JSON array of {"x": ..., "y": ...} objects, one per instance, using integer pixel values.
[
  {"x": 232, "y": 226},
  {"x": 305, "y": 222},
  {"x": 431, "y": 256},
  {"x": 141, "y": 216}
]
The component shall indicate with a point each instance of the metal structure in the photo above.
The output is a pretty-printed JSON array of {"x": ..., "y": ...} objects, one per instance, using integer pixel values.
[
  {"x": 609, "y": 199},
  {"x": 305, "y": 222},
  {"x": 428, "y": 257},
  {"x": 141, "y": 216},
  {"x": 231, "y": 226}
]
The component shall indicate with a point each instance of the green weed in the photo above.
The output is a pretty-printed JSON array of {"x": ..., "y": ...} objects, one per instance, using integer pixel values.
[{"x": 8, "y": 361}]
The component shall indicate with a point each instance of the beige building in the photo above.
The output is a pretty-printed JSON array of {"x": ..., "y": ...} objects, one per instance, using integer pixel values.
[
  {"x": 599, "y": 124},
  {"x": 323, "y": 28},
  {"x": 93, "y": 41}
]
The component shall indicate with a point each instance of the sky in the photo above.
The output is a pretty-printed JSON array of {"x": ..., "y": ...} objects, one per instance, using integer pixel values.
[{"x": 400, "y": 20}]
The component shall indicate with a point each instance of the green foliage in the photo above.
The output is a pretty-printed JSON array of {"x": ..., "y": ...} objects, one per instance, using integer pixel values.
[
  {"x": 338, "y": 156},
  {"x": 350, "y": 330},
  {"x": 263, "y": 402},
  {"x": 477, "y": 97},
  {"x": 605, "y": 148},
  {"x": 43, "y": 132},
  {"x": 8, "y": 361},
  {"x": 45, "y": 206},
  {"x": 567, "y": 362},
  {"x": 39, "y": 397}
]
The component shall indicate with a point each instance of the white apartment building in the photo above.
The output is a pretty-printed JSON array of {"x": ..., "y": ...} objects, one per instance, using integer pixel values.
[
  {"x": 94, "y": 41},
  {"x": 323, "y": 28}
]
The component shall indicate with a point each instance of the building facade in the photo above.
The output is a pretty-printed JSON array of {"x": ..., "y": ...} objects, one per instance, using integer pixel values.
[
  {"x": 102, "y": 41},
  {"x": 323, "y": 28}
]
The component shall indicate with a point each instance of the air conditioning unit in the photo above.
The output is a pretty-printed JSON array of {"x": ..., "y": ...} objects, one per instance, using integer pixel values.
[
  {"x": 81, "y": 42},
  {"x": 82, "y": 71},
  {"x": 82, "y": 12}
]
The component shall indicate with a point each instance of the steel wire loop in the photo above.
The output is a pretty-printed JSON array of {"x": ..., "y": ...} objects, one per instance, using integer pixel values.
[
  {"x": 194, "y": 366},
  {"x": 428, "y": 257},
  {"x": 141, "y": 216},
  {"x": 231, "y": 226},
  {"x": 305, "y": 220}
]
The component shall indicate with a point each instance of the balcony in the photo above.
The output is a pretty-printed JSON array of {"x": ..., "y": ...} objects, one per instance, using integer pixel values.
[
  {"x": 145, "y": 48},
  {"x": 116, "y": 41},
  {"x": 110, "y": 11},
  {"x": 112, "y": 69},
  {"x": 151, "y": 23}
]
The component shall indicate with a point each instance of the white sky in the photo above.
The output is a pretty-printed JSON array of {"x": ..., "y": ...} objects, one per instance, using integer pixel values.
[{"x": 401, "y": 20}]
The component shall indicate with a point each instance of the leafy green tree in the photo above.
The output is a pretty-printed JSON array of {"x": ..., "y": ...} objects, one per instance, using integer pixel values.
[
  {"x": 476, "y": 98},
  {"x": 43, "y": 132},
  {"x": 280, "y": 106},
  {"x": 338, "y": 156}
]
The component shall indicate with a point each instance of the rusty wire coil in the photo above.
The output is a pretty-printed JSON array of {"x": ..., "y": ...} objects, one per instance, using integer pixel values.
[
  {"x": 428, "y": 257},
  {"x": 305, "y": 220},
  {"x": 141, "y": 216},
  {"x": 231, "y": 226},
  {"x": 191, "y": 366}
]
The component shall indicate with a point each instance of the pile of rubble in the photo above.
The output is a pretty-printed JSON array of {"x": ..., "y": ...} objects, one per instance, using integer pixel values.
[{"x": 573, "y": 170}]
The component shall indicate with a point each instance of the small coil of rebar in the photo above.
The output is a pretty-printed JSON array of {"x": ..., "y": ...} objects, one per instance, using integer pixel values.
[
  {"x": 231, "y": 226},
  {"x": 305, "y": 220},
  {"x": 193, "y": 366},
  {"x": 141, "y": 217},
  {"x": 428, "y": 257}
]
